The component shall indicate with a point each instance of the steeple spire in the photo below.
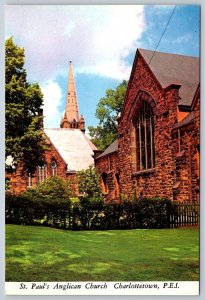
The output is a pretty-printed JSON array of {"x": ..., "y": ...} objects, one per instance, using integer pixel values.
[
  {"x": 71, "y": 118},
  {"x": 72, "y": 102}
]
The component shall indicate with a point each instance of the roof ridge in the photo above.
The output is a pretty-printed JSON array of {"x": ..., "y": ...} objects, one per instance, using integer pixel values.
[
  {"x": 73, "y": 147},
  {"x": 169, "y": 53},
  {"x": 110, "y": 149}
]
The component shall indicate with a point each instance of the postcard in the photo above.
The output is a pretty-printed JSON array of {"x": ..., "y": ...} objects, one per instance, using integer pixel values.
[{"x": 102, "y": 110}]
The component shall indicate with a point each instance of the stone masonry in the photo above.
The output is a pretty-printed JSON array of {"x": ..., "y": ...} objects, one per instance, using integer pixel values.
[{"x": 175, "y": 174}]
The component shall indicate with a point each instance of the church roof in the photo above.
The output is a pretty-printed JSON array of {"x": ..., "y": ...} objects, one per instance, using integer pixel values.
[
  {"x": 175, "y": 69},
  {"x": 73, "y": 146},
  {"x": 112, "y": 148},
  {"x": 186, "y": 121}
]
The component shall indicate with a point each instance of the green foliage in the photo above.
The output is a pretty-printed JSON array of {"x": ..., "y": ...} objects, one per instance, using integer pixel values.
[
  {"x": 53, "y": 187},
  {"x": 152, "y": 212},
  {"x": 22, "y": 209},
  {"x": 90, "y": 209},
  {"x": 53, "y": 193},
  {"x": 74, "y": 199},
  {"x": 23, "y": 109},
  {"x": 51, "y": 203},
  {"x": 107, "y": 112},
  {"x": 7, "y": 184},
  {"x": 89, "y": 182}
]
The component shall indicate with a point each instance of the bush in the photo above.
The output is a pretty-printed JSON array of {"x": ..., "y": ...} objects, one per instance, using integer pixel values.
[
  {"x": 86, "y": 213},
  {"x": 89, "y": 183},
  {"x": 152, "y": 212},
  {"x": 43, "y": 205},
  {"x": 48, "y": 201},
  {"x": 22, "y": 209},
  {"x": 129, "y": 218}
]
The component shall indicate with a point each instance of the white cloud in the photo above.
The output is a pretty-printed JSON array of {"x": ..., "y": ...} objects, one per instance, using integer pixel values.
[
  {"x": 69, "y": 28},
  {"x": 52, "y": 98},
  {"x": 96, "y": 38},
  {"x": 183, "y": 39}
]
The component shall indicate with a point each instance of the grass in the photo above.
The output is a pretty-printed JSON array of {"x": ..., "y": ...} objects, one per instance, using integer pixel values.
[{"x": 47, "y": 254}]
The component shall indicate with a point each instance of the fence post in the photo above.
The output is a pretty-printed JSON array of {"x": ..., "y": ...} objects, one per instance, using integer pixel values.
[
  {"x": 187, "y": 214},
  {"x": 168, "y": 214}
]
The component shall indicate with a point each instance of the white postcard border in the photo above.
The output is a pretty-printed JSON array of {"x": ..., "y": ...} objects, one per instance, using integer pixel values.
[
  {"x": 185, "y": 288},
  {"x": 8, "y": 285}
]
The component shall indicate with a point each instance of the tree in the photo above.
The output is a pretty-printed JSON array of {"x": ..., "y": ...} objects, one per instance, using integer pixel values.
[
  {"x": 49, "y": 201},
  {"x": 89, "y": 182},
  {"x": 23, "y": 111},
  {"x": 107, "y": 112},
  {"x": 53, "y": 191}
]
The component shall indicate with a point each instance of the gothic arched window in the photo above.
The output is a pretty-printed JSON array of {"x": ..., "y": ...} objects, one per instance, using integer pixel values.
[
  {"x": 42, "y": 172},
  {"x": 54, "y": 167},
  {"x": 29, "y": 180},
  {"x": 144, "y": 125}
]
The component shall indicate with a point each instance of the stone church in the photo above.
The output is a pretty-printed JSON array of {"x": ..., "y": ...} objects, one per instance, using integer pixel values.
[
  {"x": 157, "y": 150},
  {"x": 68, "y": 149}
]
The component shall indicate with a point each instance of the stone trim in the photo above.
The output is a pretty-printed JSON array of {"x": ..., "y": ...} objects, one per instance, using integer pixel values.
[
  {"x": 144, "y": 172},
  {"x": 141, "y": 96}
]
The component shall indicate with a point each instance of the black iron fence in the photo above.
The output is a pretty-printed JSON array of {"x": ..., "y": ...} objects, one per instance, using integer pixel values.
[
  {"x": 95, "y": 214},
  {"x": 187, "y": 213}
]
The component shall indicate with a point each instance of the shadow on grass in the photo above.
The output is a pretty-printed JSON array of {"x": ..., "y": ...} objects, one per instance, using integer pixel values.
[
  {"x": 44, "y": 254},
  {"x": 71, "y": 268}
]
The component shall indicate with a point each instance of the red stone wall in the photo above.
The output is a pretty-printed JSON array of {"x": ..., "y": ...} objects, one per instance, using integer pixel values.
[
  {"x": 188, "y": 166},
  {"x": 160, "y": 180},
  {"x": 176, "y": 172},
  {"x": 109, "y": 166},
  {"x": 181, "y": 156},
  {"x": 19, "y": 179},
  {"x": 196, "y": 109}
]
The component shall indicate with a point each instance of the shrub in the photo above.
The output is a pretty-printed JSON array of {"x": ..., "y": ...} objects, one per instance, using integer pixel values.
[
  {"x": 54, "y": 208},
  {"x": 49, "y": 200},
  {"x": 129, "y": 217},
  {"x": 21, "y": 209},
  {"x": 54, "y": 195},
  {"x": 113, "y": 213},
  {"x": 89, "y": 182},
  {"x": 152, "y": 212},
  {"x": 86, "y": 213}
]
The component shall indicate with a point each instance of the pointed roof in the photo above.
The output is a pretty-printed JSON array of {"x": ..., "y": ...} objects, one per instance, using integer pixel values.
[
  {"x": 74, "y": 147},
  {"x": 175, "y": 69},
  {"x": 71, "y": 111},
  {"x": 110, "y": 149}
]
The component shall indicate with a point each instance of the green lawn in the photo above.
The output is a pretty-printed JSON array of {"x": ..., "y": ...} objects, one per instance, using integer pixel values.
[{"x": 46, "y": 254}]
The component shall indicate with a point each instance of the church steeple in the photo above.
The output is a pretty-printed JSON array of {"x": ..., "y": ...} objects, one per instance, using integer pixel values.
[
  {"x": 72, "y": 102},
  {"x": 71, "y": 118}
]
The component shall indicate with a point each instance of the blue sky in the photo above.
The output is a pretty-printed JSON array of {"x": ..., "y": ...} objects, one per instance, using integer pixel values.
[{"x": 100, "y": 40}]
